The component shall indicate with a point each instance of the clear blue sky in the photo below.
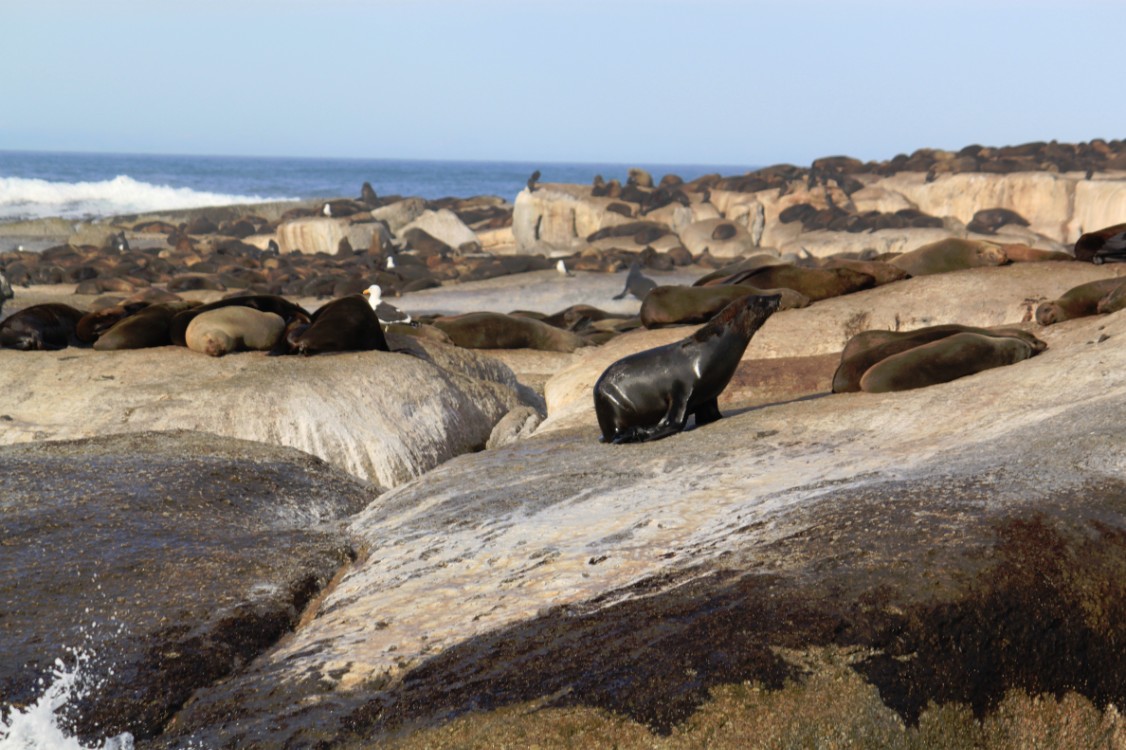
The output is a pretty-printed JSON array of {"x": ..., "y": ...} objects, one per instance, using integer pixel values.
[{"x": 690, "y": 81}]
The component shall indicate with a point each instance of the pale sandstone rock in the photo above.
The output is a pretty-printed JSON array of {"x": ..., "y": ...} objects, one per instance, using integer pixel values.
[
  {"x": 560, "y": 217},
  {"x": 976, "y": 297},
  {"x": 322, "y": 234},
  {"x": 699, "y": 237},
  {"x": 443, "y": 225},
  {"x": 526, "y": 540},
  {"x": 1098, "y": 203},
  {"x": 384, "y": 417},
  {"x": 400, "y": 213}
]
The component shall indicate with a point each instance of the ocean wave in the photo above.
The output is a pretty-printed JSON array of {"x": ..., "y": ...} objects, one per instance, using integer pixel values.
[{"x": 22, "y": 198}]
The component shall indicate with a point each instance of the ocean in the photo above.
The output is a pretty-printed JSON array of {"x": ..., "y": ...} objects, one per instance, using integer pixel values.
[{"x": 36, "y": 185}]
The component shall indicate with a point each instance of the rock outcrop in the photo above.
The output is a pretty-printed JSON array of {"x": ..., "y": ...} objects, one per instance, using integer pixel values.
[{"x": 384, "y": 417}]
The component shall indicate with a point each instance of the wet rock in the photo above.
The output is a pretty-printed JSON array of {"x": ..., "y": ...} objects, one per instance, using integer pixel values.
[{"x": 175, "y": 558}]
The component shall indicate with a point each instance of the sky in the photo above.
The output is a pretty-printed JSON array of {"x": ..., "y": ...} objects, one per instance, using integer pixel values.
[{"x": 646, "y": 81}]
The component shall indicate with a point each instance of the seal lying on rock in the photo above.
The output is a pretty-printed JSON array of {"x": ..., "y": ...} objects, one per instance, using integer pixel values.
[
  {"x": 1107, "y": 244},
  {"x": 41, "y": 327},
  {"x": 347, "y": 324},
  {"x": 951, "y": 254},
  {"x": 944, "y": 360},
  {"x": 233, "y": 328},
  {"x": 650, "y": 395},
  {"x": 685, "y": 305},
  {"x": 868, "y": 348},
  {"x": 1078, "y": 302},
  {"x": 489, "y": 330}
]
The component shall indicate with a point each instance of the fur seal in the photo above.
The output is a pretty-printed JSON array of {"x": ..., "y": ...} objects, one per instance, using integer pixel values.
[
  {"x": 272, "y": 303},
  {"x": 1103, "y": 245},
  {"x": 637, "y": 283},
  {"x": 231, "y": 329},
  {"x": 814, "y": 283},
  {"x": 146, "y": 328},
  {"x": 1077, "y": 302},
  {"x": 951, "y": 254},
  {"x": 347, "y": 324},
  {"x": 44, "y": 327},
  {"x": 944, "y": 360},
  {"x": 650, "y": 395},
  {"x": 868, "y": 348},
  {"x": 686, "y": 305},
  {"x": 489, "y": 330}
]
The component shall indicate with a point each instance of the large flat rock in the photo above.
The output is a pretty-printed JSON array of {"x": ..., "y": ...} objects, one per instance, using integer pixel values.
[{"x": 962, "y": 540}]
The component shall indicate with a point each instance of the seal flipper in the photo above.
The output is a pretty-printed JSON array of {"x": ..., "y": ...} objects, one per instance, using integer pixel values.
[{"x": 708, "y": 412}]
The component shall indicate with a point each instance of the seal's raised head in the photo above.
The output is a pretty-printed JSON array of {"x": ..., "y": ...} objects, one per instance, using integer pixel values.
[{"x": 743, "y": 316}]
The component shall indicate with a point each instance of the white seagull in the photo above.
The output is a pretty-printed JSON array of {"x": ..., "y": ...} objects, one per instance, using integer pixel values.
[
  {"x": 561, "y": 267},
  {"x": 387, "y": 313}
]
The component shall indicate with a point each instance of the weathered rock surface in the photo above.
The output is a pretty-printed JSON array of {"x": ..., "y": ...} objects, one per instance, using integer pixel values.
[
  {"x": 385, "y": 417},
  {"x": 963, "y": 540},
  {"x": 174, "y": 558},
  {"x": 980, "y": 297}
]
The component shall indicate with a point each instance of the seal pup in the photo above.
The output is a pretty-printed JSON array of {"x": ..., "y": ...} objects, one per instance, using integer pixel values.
[
  {"x": 650, "y": 395},
  {"x": 1104, "y": 245},
  {"x": 637, "y": 283},
  {"x": 44, "y": 327},
  {"x": 387, "y": 313}
]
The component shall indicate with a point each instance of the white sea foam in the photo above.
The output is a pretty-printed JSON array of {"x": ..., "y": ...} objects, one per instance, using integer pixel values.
[
  {"x": 37, "y": 727},
  {"x": 22, "y": 198}
]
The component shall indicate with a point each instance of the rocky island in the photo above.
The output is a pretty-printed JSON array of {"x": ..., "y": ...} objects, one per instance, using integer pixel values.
[{"x": 430, "y": 547}]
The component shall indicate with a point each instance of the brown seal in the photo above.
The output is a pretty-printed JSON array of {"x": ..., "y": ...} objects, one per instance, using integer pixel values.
[
  {"x": 686, "y": 305},
  {"x": 1077, "y": 302},
  {"x": 944, "y": 360},
  {"x": 867, "y": 348},
  {"x": 489, "y": 330},
  {"x": 231, "y": 329},
  {"x": 347, "y": 324},
  {"x": 1107, "y": 244},
  {"x": 41, "y": 328},
  {"x": 146, "y": 328},
  {"x": 651, "y": 394},
  {"x": 951, "y": 254}
]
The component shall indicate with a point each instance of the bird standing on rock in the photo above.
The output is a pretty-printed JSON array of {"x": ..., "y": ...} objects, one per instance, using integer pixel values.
[
  {"x": 561, "y": 267},
  {"x": 386, "y": 312}
]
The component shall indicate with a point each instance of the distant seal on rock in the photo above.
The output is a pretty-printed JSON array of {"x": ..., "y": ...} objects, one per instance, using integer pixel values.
[
  {"x": 687, "y": 305},
  {"x": 1108, "y": 244},
  {"x": 347, "y": 324},
  {"x": 868, "y": 348},
  {"x": 651, "y": 394},
  {"x": 944, "y": 360},
  {"x": 637, "y": 283},
  {"x": 989, "y": 220},
  {"x": 1077, "y": 302},
  {"x": 814, "y": 283},
  {"x": 231, "y": 329},
  {"x": 489, "y": 330},
  {"x": 951, "y": 254},
  {"x": 44, "y": 327}
]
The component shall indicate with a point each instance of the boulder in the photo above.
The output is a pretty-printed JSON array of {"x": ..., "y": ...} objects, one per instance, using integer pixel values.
[
  {"x": 321, "y": 234},
  {"x": 559, "y": 218},
  {"x": 445, "y": 226},
  {"x": 954, "y": 546},
  {"x": 381, "y": 416},
  {"x": 164, "y": 561},
  {"x": 722, "y": 238}
]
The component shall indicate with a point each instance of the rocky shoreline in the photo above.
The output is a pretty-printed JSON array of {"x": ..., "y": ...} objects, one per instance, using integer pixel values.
[{"x": 429, "y": 547}]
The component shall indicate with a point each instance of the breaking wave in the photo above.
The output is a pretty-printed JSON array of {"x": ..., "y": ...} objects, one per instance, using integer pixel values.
[{"x": 22, "y": 198}]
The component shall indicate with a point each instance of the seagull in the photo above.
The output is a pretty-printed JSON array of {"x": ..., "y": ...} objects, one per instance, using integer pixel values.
[
  {"x": 390, "y": 262},
  {"x": 561, "y": 267},
  {"x": 328, "y": 210},
  {"x": 387, "y": 313}
]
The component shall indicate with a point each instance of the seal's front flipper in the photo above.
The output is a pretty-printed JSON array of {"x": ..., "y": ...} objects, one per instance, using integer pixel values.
[{"x": 708, "y": 412}]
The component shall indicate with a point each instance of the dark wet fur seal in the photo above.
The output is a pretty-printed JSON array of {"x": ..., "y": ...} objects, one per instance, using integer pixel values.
[
  {"x": 347, "y": 324},
  {"x": 651, "y": 394},
  {"x": 288, "y": 311},
  {"x": 41, "y": 328}
]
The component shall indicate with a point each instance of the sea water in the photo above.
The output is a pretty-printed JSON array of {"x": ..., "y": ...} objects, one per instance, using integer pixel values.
[{"x": 88, "y": 186}]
